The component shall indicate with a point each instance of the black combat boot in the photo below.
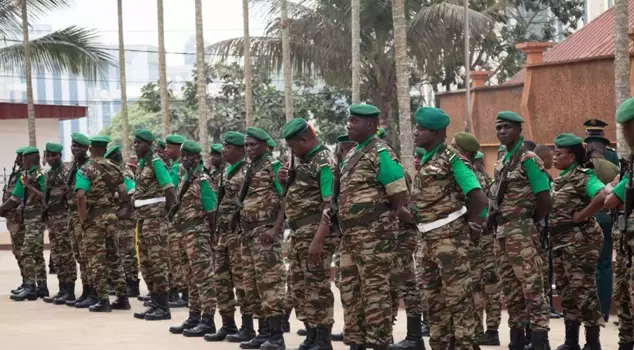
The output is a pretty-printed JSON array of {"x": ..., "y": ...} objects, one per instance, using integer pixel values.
[
  {"x": 19, "y": 289},
  {"x": 276, "y": 339},
  {"x": 89, "y": 301},
  {"x": 162, "y": 310},
  {"x": 540, "y": 340},
  {"x": 192, "y": 321},
  {"x": 150, "y": 309},
  {"x": 101, "y": 306},
  {"x": 592, "y": 338},
  {"x": 518, "y": 339},
  {"x": 175, "y": 300},
  {"x": 336, "y": 336},
  {"x": 84, "y": 294},
  {"x": 572, "y": 336},
  {"x": 185, "y": 295},
  {"x": 42, "y": 290},
  {"x": 28, "y": 292},
  {"x": 49, "y": 300},
  {"x": 626, "y": 346},
  {"x": 228, "y": 328},
  {"x": 491, "y": 338},
  {"x": 69, "y": 294},
  {"x": 245, "y": 333},
  {"x": 414, "y": 339},
  {"x": 286, "y": 324},
  {"x": 263, "y": 335},
  {"x": 132, "y": 286},
  {"x": 357, "y": 347},
  {"x": 121, "y": 303},
  {"x": 322, "y": 338},
  {"x": 206, "y": 326},
  {"x": 144, "y": 298},
  {"x": 424, "y": 328},
  {"x": 311, "y": 334},
  {"x": 52, "y": 269}
]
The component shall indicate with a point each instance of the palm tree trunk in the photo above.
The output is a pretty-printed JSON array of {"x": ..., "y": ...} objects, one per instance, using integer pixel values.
[
  {"x": 201, "y": 86},
  {"x": 402, "y": 84},
  {"x": 248, "y": 84},
  {"x": 27, "y": 72},
  {"x": 356, "y": 51},
  {"x": 286, "y": 58},
  {"x": 621, "y": 67},
  {"x": 165, "y": 108},
  {"x": 124, "y": 95}
]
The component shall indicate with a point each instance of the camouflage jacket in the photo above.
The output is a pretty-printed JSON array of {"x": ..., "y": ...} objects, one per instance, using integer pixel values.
[
  {"x": 8, "y": 188},
  {"x": 191, "y": 213},
  {"x": 485, "y": 181},
  {"x": 436, "y": 193},
  {"x": 99, "y": 171},
  {"x": 69, "y": 182},
  {"x": 262, "y": 202},
  {"x": 304, "y": 197},
  {"x": 569, "y": 195},
  {"x": 56, "y": 187},
  {"x": 227, "y": 206},
  {"x": 147, "y": 187},
  {"x": 32, "y": 205},
  {"x": 214, "y": 176}
]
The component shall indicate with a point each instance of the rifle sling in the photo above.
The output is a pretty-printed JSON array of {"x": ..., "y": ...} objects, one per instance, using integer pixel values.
[
  {"x": 357, "y": 157},
  {"x": 499, "y": 196}
]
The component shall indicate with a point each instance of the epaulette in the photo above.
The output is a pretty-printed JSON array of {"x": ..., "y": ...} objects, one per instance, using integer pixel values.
[
  {"x": 587, "y": 171},
  {"x": 611, "y": 149},
  {"x": 380, "y": 148},
  {"x": 450, "y": 153}
]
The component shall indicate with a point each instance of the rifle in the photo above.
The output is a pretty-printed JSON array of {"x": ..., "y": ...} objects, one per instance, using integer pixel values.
[
  {"x": 616, "y": 213},
  {"x": 181, "y": 194},
  {"x": 25, "y": 197},
  {"x": 47, "y": 197},
  {"x": 235, "y": 219},
  {"x": 14, "y": 172},
  {"x": 628, "y": 207},
  {"x": 292, "y": 174},
  {"x": 494, "y": 219},
  {"x": 221, "y": 195},
  {"x": 336, "y": 188},
  {"x": 69, "y": 181}
]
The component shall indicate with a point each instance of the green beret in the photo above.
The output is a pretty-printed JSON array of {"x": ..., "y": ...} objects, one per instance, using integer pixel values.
[
  {"x": 479, "y": 155},
  {"x": 175, "y": 139},
  {"x": 509, "y": 116},
  {"x": 161, "y": 144},
  {"x": 431, "y": 118},
  {"x": 54, "y": 147},
  {"x": 625, "y": 113},
  {"x": 144, "y": 135},
  {"x": 190, "y": 146},
  {"x": 111, "y": 150},
  {"x": 601, "y": 139},
  {"x": 100, "y": 141},
  {"x": 420, "y": 151},
  {"x": 234, "y": 138},
  {"x": 216, "y": 147},
  {"x": 467, "y": 142},
  {"x": 80, "y": 139},
  {"x": 20, "y": 150},
  {"x": 271, "y": 143},
  {"x": 294, "y": 128},
  {"x": 344, "y": 139},
  {"x": 258, "y": 134},
  {"x": 381, "y": 133},
  {"x": 567, "y": 140},
  {"x": 30, "y": 150},
  {"x": 364, "y": 111}
]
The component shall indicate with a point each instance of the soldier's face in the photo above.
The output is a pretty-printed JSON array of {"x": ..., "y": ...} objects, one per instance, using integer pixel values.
[
  {"x": 254, "y": 148},
  {"x": 216, "y": 159},
  {"x": 231, "y": 153},
  {"x": 507, "y": 132},
  {"x": 30, "y": 161},
  {"x": 298, "y": 146},
  {"x": 424, "y": 137},
  {"x": 141, "y": 148},
  {"x": 628, "y": 132},
  {"x": 172, "y": 151},
  {"x": 360, "y": 129},
  {"x": 189, "y": 160},
  {"x": 563, "y": 158},
  {"x": 53, "y": 159},
  {"x": 78, "y": 150},
  {"x": 417, "y": 163}
]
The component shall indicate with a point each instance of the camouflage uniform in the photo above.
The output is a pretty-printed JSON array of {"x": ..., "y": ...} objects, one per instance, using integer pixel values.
[
  {"x": 16, "y": 229},
  {"x": 446, "y": 271},
  {"x": 74, "y": 224},
  {"x": 194, "y": 242},
  {"x": 576, "y": 247},
  {"x": 622, "y": 276},
  {"x": 127, "y": 238},
  {"x": 176, "y": 270},
  {"x": 228, "y": 258},
  {"x": 100, "y": 230},
  {"x": 305, "y": 200},
  {"x": 369, "y": 228},
  {"x": 152, "y": 223},
  {"x": 264, "y": 272},
  {"x": 519, "y": 262},
  {"x": 58, "y": 232},
  {"x": 214, "y": 178}
]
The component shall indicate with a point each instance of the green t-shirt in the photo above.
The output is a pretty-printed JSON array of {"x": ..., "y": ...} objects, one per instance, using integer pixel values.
[
  {"x": 18, "y": 190},
  {"x": 174, "y": 173}
]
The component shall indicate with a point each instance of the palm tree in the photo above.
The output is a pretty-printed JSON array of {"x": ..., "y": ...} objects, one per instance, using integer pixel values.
[
  {"x": 29, "y": 82},
  {"x": 621, "y": 66},
  {"x": 286, "y": 58},
  {"x": 248, "y": 74},
  {"x": 124, "y": 96},
  {"x": 201, "y": 87},
  {"x": 165, "y": 107},
  {"x": 320, "y": 35},
  {"x": 402, "y": 82},
  {"x": 356, "y": 50}
]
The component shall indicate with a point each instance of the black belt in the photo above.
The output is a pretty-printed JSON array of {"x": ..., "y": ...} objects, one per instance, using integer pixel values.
[
  {"x": 304, "y": 221},
  {"x": 184, "y": 226},
  {"x": 364, "y": 219},
  {"x": 250, "y": 226},
  {"x": 565, "y": 227}
]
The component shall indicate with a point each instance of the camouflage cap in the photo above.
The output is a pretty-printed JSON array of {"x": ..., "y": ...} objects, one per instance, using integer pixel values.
[
  {"x": 509, "y": 116},
  {"x": 478, "y": 155},
  {"x": 625, "y": 113},
  {"x": 175, "y": 139},
  {"x": 467, "y": 142},
  {"x": 258, "y": 134},
  {"x": 30, "y": 150},
  {"x": 294, "y": 128},
  {"x": 567, "y": 140},
  {"x": 54, "y": 147},
  {"x": 190, "y": 146},
  {"x": 364, "y": 111},
  {"x": 144, "y": 135},
  {"x": 20, "y": 150},
  {"x": 111, "y": 150},
  {"x": 100, "y": 141},
  {"x": 80, "y": 139},
  {"x": 432, "y": 118},
  {"x": 216, "y": 147},
  {"x": 234, "y": 138}
]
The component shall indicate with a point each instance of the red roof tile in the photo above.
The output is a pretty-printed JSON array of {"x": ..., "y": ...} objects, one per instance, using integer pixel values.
[
  {"x": 19, "y": 111},
  {"x": 596, "y": 39}
]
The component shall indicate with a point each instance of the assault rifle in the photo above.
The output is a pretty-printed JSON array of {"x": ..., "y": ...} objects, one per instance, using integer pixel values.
[
  {"x": 181, "y": 194},
  {"x": 244, "y": 189},
  {"x": 292, "y": 174},
  {"x": 616, "y": 213},
  {"x": 336, "y": 189},
  {"x": 221, "y": 195}
]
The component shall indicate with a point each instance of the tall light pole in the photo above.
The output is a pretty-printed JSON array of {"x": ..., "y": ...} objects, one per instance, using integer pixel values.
[{"x": 467, "y": 68}]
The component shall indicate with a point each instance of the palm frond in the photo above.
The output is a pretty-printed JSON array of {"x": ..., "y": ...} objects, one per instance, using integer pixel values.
[{"x": 73, "y": 49}]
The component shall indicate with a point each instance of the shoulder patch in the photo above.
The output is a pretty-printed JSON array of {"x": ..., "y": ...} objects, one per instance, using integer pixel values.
[{"x": 381, "y": 148}]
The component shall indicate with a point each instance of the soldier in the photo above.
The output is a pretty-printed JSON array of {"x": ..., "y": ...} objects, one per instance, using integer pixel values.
[
  {"x": 28, "y": 194},
  {"x": 228, "y": 258},
  {"x": 54, "y": 215},
  {"x": 576, "y": 240},
  {"x": 99, "y": 186},
  {"x": 16, "y": 230},
  {"x": 127, "y": 227},
  {"x": 443, "y": 185},
  {"x": 373, "y": 191},
  {"x": 153, "y": 198},
  {"x": 177, "y": 282},
  {"x": 159, "y": 149},
  {"x": 418, "y": 155},
  {"x": 262, "y": 243},
  {"x": 526, "y": 201},
  {"x": 193, "y": 218},
  {"x": 217, "y": 164},
  {"x": 595, "y": 132}
]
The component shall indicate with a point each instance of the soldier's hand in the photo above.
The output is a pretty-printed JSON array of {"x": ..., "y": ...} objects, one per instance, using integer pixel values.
[
  {"x": 475, "y": 231},
  {"x": 266, "y": 238},
  {"x": 577, "y": 217},
  {"x": 325, "y": 217},
  {"x": 315, "y": 253},
  {"x": 282, "y": 174}
]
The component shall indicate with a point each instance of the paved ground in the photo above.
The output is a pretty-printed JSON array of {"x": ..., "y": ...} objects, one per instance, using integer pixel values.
[{"x": 33, "y": 325}]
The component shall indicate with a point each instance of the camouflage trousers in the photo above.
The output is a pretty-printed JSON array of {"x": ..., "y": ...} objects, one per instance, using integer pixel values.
[
  {"x": 521, "y": 278},
  {"x": 403, "y": 283},
  {"x": 32, "y": 252},
  {"x": 61, "y": 250},
  {"x": 76, "y": 233},
  {"x": 492, "y": 297},
  {"x": 545, "y": 269},
  {"x": 476, "y": 263},
  {"x": 194, "y": 246},
  {"x": 154, "y": 253},
  {"x": 366, "y": 266},
  {"x": 263, "y": 274},
  {"x": 176, "y": 269},
  {"x": 336, "y": 260},
  {"x": 622, "y": 277},
  {"x": 127, "y": 248},
  {"x": 574, "y": 268},
  {"x": 16, "y": 231},
  {"x": 447, "y": 286},
  {"x": 228, "y": 275},
  {"x": 418, "y": 262},
  {"x": 310, "y": 283},
  {"x": 102, "y": 251}
]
